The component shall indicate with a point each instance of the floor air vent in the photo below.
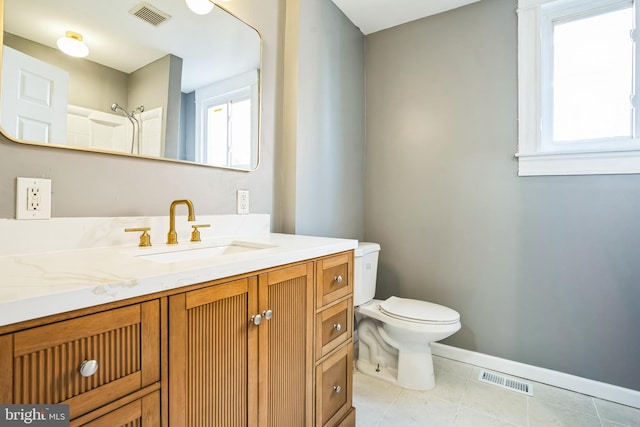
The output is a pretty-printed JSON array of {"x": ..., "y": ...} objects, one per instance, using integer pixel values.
[
  {"x": 150, "y": 14},
  {"x": 504, "y": 382}
]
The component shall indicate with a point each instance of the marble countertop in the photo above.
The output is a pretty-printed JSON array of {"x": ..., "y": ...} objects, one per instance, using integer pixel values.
[{"x": 37, "y": 285}]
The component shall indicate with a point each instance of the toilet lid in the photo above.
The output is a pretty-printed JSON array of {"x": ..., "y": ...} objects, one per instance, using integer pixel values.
[{"x": 419, "y": 311}]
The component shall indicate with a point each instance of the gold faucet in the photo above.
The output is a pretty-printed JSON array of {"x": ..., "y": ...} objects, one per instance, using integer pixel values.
[{"x": 172, "y": 237}]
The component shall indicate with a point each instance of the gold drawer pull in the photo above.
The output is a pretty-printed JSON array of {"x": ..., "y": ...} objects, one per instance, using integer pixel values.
[
  {"x": 337, "y": 279},
  {"x": 88, "y": 368},
  {"x": 337, "y": 389},
  {"x": 337, "y": 327}
]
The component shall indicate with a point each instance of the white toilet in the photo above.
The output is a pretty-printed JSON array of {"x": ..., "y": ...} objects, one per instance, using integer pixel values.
[{"x": 395, "y": 335}]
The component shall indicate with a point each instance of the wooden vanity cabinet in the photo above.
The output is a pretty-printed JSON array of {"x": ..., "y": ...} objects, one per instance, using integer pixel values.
[
  {"x": 334, "y": 342},
  {"x": 272, "y": 348},
  {"x": 241, "y": 352},
  {"x": 43, "y": 364}
]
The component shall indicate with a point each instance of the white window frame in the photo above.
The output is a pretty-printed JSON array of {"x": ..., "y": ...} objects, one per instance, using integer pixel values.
[
  {"x": 535, "y": 156},
  {"x": 239, "y": 87}
]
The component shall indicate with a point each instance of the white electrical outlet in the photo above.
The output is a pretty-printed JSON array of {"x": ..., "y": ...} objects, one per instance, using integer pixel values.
[
  {"x": 33, "y": 198},
  {"x": 243, "y": 202}
]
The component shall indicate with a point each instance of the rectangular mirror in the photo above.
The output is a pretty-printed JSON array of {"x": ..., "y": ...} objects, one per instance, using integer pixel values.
[{"x": 159, "y": 81}]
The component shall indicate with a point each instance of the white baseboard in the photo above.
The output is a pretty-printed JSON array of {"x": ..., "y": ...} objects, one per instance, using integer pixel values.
[{"x": 593, "y": 388}]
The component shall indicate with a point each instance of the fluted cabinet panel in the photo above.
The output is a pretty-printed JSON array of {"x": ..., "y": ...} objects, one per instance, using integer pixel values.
[
  {"x": 287, "y": 352},
  {"x": 116, "y": 351},
  {"x": 88, "y": 362},
  {"x": 286, "y": 343},
  {"x": 217, "y": 363},
  {"x": 122, "y": 344},
  {"x": 210, "y": 343}
]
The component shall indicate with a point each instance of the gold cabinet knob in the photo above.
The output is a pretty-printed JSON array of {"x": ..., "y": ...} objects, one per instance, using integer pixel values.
[
  {"x": 145, "y": 238},
  {"x": 195, "y": 234}
]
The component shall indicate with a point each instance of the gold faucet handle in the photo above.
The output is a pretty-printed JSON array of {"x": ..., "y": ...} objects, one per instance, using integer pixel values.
[
  {"x": 145, "y": 238},
  {"x": 195, "y": 234}
]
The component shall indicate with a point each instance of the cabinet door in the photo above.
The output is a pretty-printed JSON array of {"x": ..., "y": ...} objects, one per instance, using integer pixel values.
[
  {"x": 286, "y": 347},
  {"x": 212, "y": 356}
]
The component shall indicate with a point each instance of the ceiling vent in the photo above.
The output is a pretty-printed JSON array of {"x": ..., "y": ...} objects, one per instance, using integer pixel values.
[
  {"x": 150, "y": 14},
  {"x": 505, "y": 382}
]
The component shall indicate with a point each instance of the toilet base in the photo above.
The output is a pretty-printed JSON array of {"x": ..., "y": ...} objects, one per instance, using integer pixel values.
[
  {"x": 409, "y": 366},
  {"x": 390, "y": 375},
  {"x": 415, "y": 368}
]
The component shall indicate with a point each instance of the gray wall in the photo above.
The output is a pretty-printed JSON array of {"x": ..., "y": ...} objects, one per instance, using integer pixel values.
[
  {"x": 543, "y": 270},
  {"x": 90, "y": 184},
  {"x": 157, "y": 84},
  {"x": 324, "y": 119},
  {"x": 187, "y": 149}
]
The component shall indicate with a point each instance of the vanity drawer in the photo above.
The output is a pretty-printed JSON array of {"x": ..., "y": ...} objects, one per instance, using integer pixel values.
[
  {"x": 334, "y": 382},
  {"x": 335, "y": 278},
  {"x": 143, "y": 412},
  {"x": 47, "y": 360},
  {"x": 349, "y": 420},
  {"x": 334, "y": 326}
]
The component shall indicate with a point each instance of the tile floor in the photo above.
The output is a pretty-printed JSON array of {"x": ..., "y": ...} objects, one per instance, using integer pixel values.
[{"x": 459, "y": 399}]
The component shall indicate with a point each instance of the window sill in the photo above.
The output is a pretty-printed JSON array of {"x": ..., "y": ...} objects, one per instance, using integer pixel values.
[{"x": 579, "y": 163}]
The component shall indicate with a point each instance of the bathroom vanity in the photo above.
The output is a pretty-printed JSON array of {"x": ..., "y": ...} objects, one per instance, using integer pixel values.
[{"x": 255, "y": 330}]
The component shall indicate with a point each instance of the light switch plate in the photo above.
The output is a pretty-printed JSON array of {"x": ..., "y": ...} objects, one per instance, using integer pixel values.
[{"x": 33, "y": 198}]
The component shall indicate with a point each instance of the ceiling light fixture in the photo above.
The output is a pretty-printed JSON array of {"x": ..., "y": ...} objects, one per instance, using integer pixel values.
[
  {"x": 72, "y": 45},
  {"x": 200, "y": 7}
]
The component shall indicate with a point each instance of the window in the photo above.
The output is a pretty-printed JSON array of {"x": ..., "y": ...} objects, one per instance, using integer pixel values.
[
  {"x": 576, "y": 64},
  {"x": 227, "y": 130},
  {"x": 226, "y": 122}
]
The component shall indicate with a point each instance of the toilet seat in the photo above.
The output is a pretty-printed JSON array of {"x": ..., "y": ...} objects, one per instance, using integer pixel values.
[{"x": 417, "y": 311}]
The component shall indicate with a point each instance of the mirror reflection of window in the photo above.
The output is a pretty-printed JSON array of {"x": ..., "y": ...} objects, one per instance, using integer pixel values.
[
  {"x": 226, "y": 121},
  {"x": 217, "y": 134},
  {"x": 229, "y": 133}
]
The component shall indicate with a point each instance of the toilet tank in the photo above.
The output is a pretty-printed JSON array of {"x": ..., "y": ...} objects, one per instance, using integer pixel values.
[{"x": 365, "y": 272}]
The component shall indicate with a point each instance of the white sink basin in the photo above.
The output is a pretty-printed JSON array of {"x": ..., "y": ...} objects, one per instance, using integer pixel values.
[{"x": 194, "y": 252}]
